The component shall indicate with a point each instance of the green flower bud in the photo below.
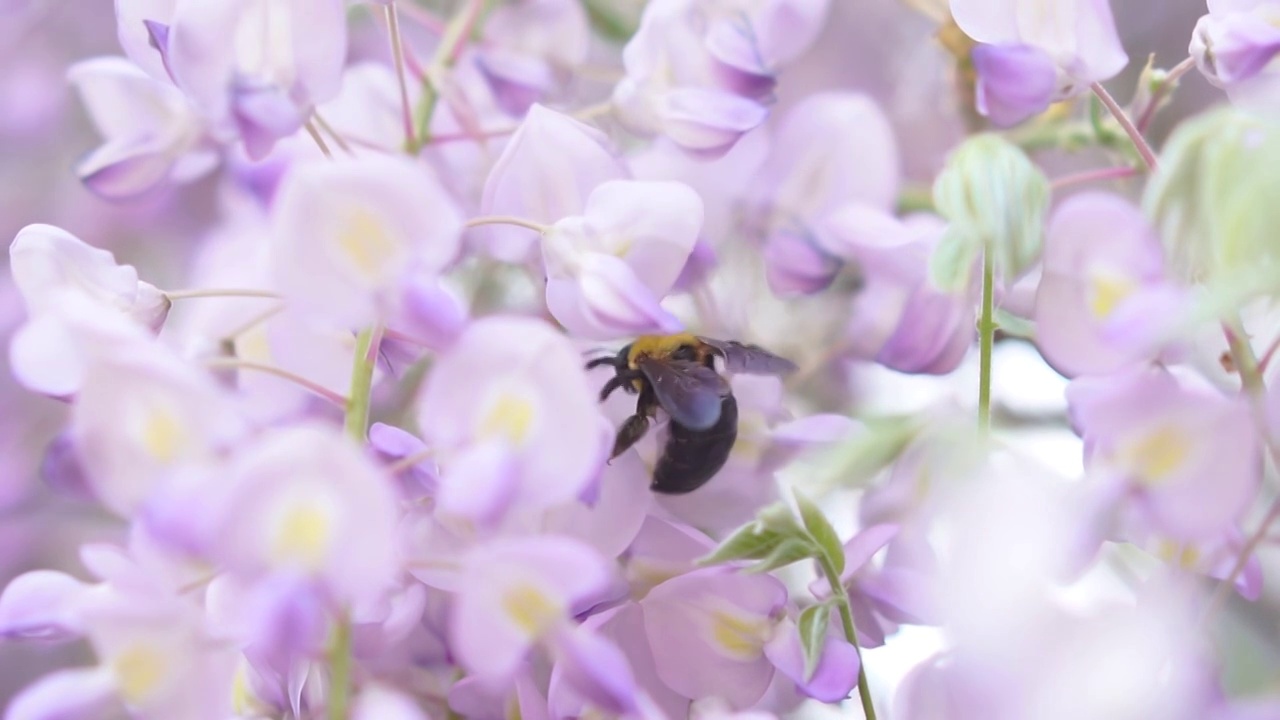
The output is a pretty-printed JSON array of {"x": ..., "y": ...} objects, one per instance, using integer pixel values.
[
  {"x": 995, "y": 199},
  {"x": 1216, "y": 203}
]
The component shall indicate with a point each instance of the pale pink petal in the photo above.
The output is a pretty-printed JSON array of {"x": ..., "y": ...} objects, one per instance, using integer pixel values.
[
  {"x": 41, "y": 605},
  {"x": 377, "y": 702},
  {"x": 545, "y": 173},
  {"x": 1015, "y": 82},
  {"x": 708, "y": 122},
  {"x": 478, "y": 484},
  {"x": 81, "y": 694}
]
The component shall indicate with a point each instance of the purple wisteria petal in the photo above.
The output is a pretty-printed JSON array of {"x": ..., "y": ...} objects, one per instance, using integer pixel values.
[
  {"x": 596, "y": 670},
  {"x": 270, "y": 49},
  {"x": 1015, "y": 82},
  {"x": 708, "y": 122},
  {"x": 149, "y": 128},
  {"x": 305, "y": 500},
  {"x": 708, "y": 629},
  {"x": 479, "y": 484},
  {"x": 392, "y": 444},
  {"x": 1100, "y": 254},
  {"x": 514, "y": 592},
  {"x": 836, "y": 673},
  {"x": 263, "y": 113},
  {"x": 1234, "y": 46},
  {"x": 518, "y": 382},
  {"x": 134, "y": 22},
  {"x": 78, "y": 694},
  {"x": 545, "y": 173},
  {"x": 738, "y": 63},
  {"x": 349, "y": 234},
  {"x": 1190, "y": 454},
  {"x": 796, "y": 265},
  {"x": 831, "y": 149},
  {"x": 860, "y": 548},
  {"x": 518, "y": 81},
  {"x": 1080, "y": 35},
  {"x": 46, "y": 261},
  {"x": 41, "y": 605}
]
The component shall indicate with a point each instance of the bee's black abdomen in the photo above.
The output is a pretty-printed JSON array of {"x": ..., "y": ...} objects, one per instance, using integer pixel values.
[{"x": 692, "y": 457}]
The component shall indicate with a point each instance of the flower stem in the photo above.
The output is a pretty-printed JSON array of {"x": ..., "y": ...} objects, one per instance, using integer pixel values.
[
  {"x": 238, "y": 364},
  {"x": 1135, "y": 136},
  {"x": 447, "y": 53},
  {"x": 319, "y": 139},
  {"x": 1086, "y": 176},
  {"x": 366, "y": 354},
  {"x": 397, "y": 51},
  {"x": 986, "y": 338},
  {"x": 340, "y": 667},
  {"x": 507, "y": 220},
  {"x": 850, "y": 633},
  {"x": 219, "y": 293}
]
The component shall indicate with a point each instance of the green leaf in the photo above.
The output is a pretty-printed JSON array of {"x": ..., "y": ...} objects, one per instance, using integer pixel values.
[
  {"x": 749, "y": 542},
  {"x": 820, "y": 531},
  {"x": 813, "y": 636},
  {"x": 790, "y": 550},
  {"x": 855, "y": 462},
  {"x": 1013, "y": 325}
]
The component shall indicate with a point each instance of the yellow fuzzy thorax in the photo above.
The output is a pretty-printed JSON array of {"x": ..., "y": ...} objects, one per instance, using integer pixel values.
[{"x": 658, "y": 346}]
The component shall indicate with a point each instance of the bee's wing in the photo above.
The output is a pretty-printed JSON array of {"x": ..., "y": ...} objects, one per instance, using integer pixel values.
[
  {"x": 749, "y": 359},
  {"x": 689, "y": 392}
]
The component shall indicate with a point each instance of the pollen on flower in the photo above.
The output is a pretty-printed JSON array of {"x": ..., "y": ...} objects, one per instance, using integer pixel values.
[
  {"x": 138, "y": 670},
  {"x": 1106, "y": 292},
  {"x": 737, "y": 635},
  {"x": 1157, "y": 454},
  {"x": 510, "y": 416},
  {"x": 304, "y": 534},
  {"x": 532, "y": 610},
  {"x": 161, "y": 434},
  {"x": 366, "y": 242}
]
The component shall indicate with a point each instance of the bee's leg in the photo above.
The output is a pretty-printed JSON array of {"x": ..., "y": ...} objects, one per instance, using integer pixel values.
[
  {"x": 609, "y": 360},
  {"x": 623, "y": 379},
  {"x": 629, "y": 434}
]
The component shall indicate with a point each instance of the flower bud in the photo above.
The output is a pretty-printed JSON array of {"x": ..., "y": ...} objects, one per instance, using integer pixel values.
[
  {"x": 1213, "y": 202},
  {"x": 994, "y": 197}
]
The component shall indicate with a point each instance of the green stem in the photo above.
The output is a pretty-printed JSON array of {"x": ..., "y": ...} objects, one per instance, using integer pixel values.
[
  {"x": 455, "y": 35},
  {"x": 850, "y": 632},
  {"x": 986, "y": 337},
  {"x": 366, "y": 355},
  {"x": 340, "y": 666}
]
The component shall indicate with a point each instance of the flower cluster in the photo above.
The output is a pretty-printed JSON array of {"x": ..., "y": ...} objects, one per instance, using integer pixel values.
[{"x": 356, "y": 463}]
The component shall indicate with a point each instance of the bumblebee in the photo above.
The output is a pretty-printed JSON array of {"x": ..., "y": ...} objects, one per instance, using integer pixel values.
[{"x": 678, "y": 374}]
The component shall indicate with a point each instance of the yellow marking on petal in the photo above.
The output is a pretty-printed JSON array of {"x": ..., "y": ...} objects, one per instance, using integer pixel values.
[
  {"x": 739, "y": 636},
  {"x": 509, "y": 417},
  {"x": 303, "y": 536},
  {"x": 1106, "y": 292},
  {"x": 138, "y": 670},
  {"x": 366, "y": 242},
  {"x": 162, "y": 435},
  {"x": 1157, "y": 454},
  {"x": 532, "y": 610}
]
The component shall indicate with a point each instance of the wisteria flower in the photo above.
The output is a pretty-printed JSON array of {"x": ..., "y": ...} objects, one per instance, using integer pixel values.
[
  {"x": 1075, "y": 40},
  {"x": 255, "y": 69},
  {"x": 153, "y": 135},
  {"x": 348, "y": 235},
  {"x": 545, "y": 173},
  {"x": 694, "y": 77},
  {"x": 516, "y": 425},
  {"x": 609, "y": 268},
  {"x": 900, "y": 319},
  {"x": 1188, "y": 456},
  {"x": 1103, "y": 265},
  {"x": 531, "y": 46},
  {"x": 1234, "y": 46}
]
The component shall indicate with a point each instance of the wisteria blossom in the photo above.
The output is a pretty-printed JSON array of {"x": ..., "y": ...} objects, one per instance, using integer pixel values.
[{"x": 708, "y": 359}]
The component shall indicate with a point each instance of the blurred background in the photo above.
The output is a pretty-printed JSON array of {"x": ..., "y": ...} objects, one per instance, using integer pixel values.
[{"x": 880, "y": 47}]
